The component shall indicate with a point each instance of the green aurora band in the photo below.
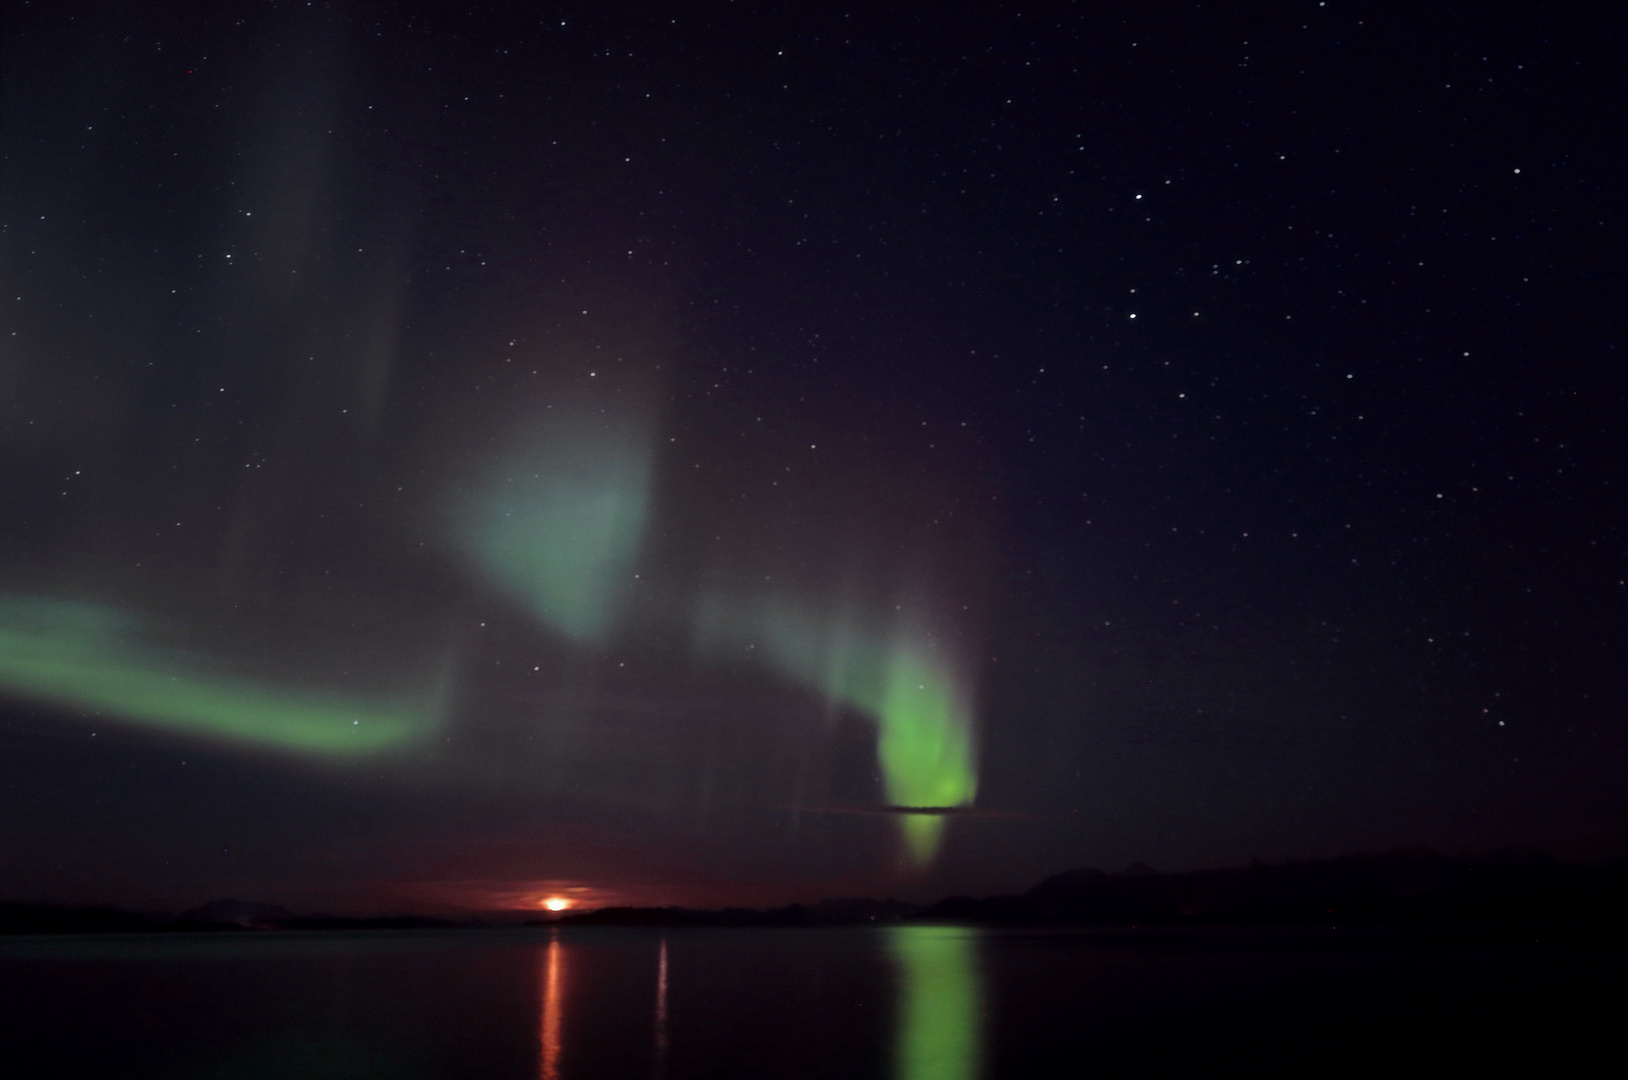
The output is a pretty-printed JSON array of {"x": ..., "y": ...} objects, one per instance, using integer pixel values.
[
  {"x": 558, "y": 525},
  {"x": 940, "y": 1004},
  {"x": 924, "y": 723},
  {"x": 85, "y": 656}
]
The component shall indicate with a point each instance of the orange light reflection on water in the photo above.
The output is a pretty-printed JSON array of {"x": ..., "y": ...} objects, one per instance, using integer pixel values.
[
  {"x": 548, "y": 1026},
  {"x": 661, "y": 1012}
]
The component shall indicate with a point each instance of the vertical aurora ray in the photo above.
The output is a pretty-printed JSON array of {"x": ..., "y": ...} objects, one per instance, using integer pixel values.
[
  {"x": 939, "y": 1023},
  {"x": 924, "y": 744},
  {"x": 899, "y": 678},
  {"x": 558, "y": 524}
]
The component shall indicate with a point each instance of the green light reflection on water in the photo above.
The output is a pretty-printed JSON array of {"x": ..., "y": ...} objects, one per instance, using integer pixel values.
[
  {"x": 86, "y": 656},
  {"x": 940, "y": 1013}
]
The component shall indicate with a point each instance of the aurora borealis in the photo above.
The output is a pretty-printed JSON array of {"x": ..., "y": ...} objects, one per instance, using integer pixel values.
[
  {"x": 91, "y": 659},
  {"x": 753, "y": 456},
  {"x": 905, "y": 685},
  {"x": 560, "y": 519},
  {"x": 558, "y": 525}
]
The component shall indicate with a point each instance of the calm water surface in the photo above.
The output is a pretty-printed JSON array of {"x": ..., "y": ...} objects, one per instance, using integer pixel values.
[{"x": 900, "y": 1003}]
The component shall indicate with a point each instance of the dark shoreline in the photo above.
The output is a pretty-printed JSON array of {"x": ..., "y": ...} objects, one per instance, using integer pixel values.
[{"x": 1503, "y": 893}]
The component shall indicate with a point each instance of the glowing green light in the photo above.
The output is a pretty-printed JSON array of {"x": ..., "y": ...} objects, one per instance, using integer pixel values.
[
  {"x": 558, "y": 526},
  {"x": 923, "y": 835},
  {"x": 940, "y": 1004},
  {"x": 90, "y": 657},
  {"x": 924, "y": 725},
  {"x": 925, "y": 747}
]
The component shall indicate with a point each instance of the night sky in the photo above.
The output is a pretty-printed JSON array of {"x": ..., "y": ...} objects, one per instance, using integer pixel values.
[{"x": 451, "y": 456}]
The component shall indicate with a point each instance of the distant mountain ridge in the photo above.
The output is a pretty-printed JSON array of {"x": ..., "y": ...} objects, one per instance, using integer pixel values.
[
  {"x": 244, "y": 913},
  {"x": 1406, "y": 887},
  {"x": 1398, "y": 887}
]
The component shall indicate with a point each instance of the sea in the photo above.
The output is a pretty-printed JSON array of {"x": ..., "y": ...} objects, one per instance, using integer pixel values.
[{"x": 900, "y": 1001}]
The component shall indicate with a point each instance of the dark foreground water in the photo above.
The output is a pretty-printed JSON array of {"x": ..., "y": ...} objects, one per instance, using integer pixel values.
[{"x": 904, "y": 1003}]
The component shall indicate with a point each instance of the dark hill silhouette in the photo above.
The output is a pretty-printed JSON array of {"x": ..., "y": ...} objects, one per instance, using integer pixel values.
[
  {"x": 244, "y": 913},
  {"x": 1399, "y": 887},
  {"x": 1415, "y": 887},
  {"x": 1409, "y": 887}
]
